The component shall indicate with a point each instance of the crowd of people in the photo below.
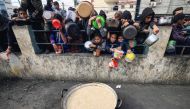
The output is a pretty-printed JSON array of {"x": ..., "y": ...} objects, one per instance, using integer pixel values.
[{"x": 72, "y": 29}]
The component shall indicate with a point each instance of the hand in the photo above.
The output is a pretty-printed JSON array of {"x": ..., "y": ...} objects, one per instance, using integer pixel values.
[
  {"x": 98, "y": 21},
  {"x": 8, "y": 52},
  {"x": 112, "y": 49},
  {"x": 91, "y": 19},
  {"x": 126, "y": 24},
  {"x": 184, "y": 32},
  {"x": 55, "y": 47},
  {"x": 129, "y": 51},
  {"x": 155, "y": 30},
  {"x": 146, "y": 31},
  {"x": 92, "y": 46}
]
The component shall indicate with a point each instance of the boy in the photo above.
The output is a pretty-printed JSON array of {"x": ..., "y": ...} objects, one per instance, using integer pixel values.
[{"x": 178, "y": 34}]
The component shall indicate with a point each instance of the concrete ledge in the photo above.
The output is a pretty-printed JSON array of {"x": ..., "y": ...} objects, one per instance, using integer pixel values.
[{"x": 155, "y": 68}]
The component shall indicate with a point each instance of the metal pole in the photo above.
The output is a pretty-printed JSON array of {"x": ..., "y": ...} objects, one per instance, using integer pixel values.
[
  {"x": 137, "y": 9},
  {"x": 19, "y": 2}
]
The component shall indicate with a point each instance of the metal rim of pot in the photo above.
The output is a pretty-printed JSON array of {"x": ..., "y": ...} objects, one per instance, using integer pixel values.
[
  {"x": 149, "y": 42},
  {"x": 78, "y": 13},
  {"x": 65, "y": 94},
  {"x": 131, "y": 34}
]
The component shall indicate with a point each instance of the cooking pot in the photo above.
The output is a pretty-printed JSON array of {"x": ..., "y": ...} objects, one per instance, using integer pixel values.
[
  {"x": 129, "y": 32},
  {"x": 151, "y": 40},
  {"x": 90, "y": 96}
]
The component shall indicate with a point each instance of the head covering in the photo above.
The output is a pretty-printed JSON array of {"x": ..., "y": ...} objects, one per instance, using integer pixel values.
[
  {"x": 179, "y": 16},
  {"x": 103, "y": 14},
  {"x": 147, "y": 12},
  {"x": 118, "y": 14},
  {"x": 126, "y": 15},
  {"x": 59, "y": 17},
  {"x": 177, "y": 9}
]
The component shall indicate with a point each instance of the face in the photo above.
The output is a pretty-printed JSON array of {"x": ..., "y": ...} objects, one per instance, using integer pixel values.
[
  {"x": 178, "y": 12},
  {"x": 22, "y": 14},
  {"x": 120, "y": 39},
  {"x": 56, "y": 6},
  {"x": 97, "y": 39},
  {"x": 124, "y": 20},
  {"x": 148, "y": 19},
  {"x": 181, "y": 21},
  {"x": 113, "y": 38}
]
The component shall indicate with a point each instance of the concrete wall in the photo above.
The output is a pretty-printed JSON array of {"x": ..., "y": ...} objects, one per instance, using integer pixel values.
[{"x": 153, "y": 68}]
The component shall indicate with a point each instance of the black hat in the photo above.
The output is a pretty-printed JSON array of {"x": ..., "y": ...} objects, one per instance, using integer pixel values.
[
  {"x": 126, "y": 15},
  {"x": 179, "y": 16},
  {"x": 177, "y": 9}
]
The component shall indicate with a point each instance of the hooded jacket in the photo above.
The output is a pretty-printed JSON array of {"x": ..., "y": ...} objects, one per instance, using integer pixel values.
[
  {"x": 103, "y": 14},
  {"x": 3, "y": 22},
  {"x": 147, "y": 12}
]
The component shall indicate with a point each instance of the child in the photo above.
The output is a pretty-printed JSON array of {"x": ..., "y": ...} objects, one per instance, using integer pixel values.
[
  {"x": 178, "y": 34},
  {"x": 98, "y": 45},
  {"x": 146, "y": 21},
  {"x": 112, "y": 43},
  {"x": 57, "y": 39},
  {"x": 21, "y": 19},
  {"x": 122, "y": 44}
]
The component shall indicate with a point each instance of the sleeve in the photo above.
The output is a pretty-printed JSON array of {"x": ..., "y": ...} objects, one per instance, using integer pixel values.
[
  {"x": 177, "y": 35},
  {"x": 152, "y": 24},
  {"x": 103, "y": 32},
  {"x": 89, "y": 31}
]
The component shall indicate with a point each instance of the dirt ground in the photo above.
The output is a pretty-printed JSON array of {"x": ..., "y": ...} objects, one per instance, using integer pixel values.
[{"x": 45, "y": 94}]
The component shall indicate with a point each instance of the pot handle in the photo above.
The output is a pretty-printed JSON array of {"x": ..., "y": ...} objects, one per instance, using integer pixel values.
[
  {"x": 119, "y": 103},
  {"x": 62, "y": 92}
]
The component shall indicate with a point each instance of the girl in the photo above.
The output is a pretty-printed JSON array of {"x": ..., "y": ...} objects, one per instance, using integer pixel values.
[
  {"x": 98, "y": 45},
  {"x": 57, "y": 39},
  {"x": 111, "y": 44}
]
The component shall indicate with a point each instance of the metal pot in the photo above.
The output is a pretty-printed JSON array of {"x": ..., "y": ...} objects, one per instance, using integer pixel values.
[
  {"x": 47, "y": 15},
  {"x": 89, "y": 91},
  {"x": 129, "y": 32},
  {"x": 112, "y": 23},
  {"x": 151, "y": 40},
  {"x": 87, "y": 45}
]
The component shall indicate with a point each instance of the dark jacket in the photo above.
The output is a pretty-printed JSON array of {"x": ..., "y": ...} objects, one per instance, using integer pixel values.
[
  {"x": 178, "y": 35},
  {"x": 34, "y": 8},
  {"x": 3, "y": 22}
]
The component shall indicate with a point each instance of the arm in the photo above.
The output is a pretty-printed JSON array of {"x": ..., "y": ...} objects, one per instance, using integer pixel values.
[
  {"x": 63, "y": 37},
  {"x": 177, "y": 35},
  {"x": 88, "y": 29},
  {"x": 154, "y": 27}
]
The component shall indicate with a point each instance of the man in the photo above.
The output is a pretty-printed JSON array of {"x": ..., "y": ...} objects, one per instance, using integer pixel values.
[{"x": 35, "y": 10}]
